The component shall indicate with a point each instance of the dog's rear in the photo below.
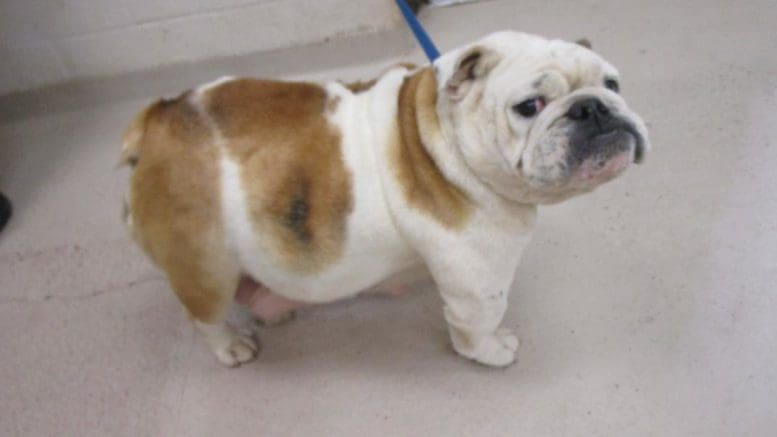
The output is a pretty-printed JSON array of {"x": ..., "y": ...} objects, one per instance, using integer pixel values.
[
  {"x": 131, "y": 149},
  {"x": 174, "y": 213}
]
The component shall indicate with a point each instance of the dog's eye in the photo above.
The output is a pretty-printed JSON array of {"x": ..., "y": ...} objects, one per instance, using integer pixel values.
[
  {"x": 612, "y": 85},
  {"x": 529, "y": 108}
]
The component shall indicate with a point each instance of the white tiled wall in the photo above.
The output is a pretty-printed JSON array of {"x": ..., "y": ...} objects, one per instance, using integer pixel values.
[{"x": 49, "y": 41}]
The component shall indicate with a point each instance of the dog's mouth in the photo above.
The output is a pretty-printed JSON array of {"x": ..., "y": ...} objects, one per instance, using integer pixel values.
[
  {"x": 607, "y": 138},
  {"x": 584, "y": 158},
  {"x": 609, "y": 154}
]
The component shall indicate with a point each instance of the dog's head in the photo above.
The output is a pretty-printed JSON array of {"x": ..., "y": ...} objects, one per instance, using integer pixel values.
[{"x": 537, "y": 120}]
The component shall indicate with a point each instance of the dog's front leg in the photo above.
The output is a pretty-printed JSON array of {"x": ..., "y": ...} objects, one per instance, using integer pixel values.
[
  {"x": 474, "y": 316},
  {"x": 474, "y": 283}
]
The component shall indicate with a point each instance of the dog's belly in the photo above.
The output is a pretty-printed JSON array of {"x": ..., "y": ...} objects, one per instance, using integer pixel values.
[
  {"x": 272, "y": 308},
  {"x": 357, "y": 271}
]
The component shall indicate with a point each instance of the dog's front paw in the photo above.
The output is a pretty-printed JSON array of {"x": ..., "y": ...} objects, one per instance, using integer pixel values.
[
  {"x": 497, "y": 349},
  {"x": 240, "y": 349}
]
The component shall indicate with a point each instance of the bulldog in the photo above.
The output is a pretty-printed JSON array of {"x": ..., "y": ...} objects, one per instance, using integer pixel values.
[{"x": 279, "y": 194}]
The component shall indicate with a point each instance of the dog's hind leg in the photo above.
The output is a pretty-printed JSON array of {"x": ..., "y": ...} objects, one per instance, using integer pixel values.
[{"x": 207, "y": 297}]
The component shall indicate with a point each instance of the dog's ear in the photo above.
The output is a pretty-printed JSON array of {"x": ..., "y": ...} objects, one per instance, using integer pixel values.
[
  {"x": 585, "y": 43},
  {"x": 471, "y": 66}
]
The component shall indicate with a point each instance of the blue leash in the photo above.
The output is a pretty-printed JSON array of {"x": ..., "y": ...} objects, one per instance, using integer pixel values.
[{"x": 420, "y": 34}]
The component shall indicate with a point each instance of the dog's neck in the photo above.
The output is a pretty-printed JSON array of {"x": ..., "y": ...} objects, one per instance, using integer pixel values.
[
  {"x": 426, "y": 185},
  {"x": 432, "y": 160}
]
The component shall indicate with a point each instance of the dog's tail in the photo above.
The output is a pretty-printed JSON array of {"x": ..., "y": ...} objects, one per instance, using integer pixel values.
[
  {"x": 133, "y": 137},
  {"x": 131, "y": 145}
]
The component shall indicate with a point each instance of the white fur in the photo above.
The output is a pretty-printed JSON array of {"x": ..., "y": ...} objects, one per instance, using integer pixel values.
[
  {"x": 203, "y": 89},
  {"x": 230, "y": 347}
]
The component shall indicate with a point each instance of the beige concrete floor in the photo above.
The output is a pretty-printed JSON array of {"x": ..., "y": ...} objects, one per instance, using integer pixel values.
[{"x": 646, "y": 308}]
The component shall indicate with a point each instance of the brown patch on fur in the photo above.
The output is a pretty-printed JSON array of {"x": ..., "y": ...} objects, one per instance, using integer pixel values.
[
  {"x": 298, "y": 189},
  {"x": 360, "y": 86},
  {"x": 407, "y": 65},
  {"x": 175, "y": 206},
  {"x": 424, "y": 185}
]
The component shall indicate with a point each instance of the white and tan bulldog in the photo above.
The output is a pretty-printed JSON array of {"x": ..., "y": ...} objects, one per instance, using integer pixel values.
[{"x": 287, "y": 193}]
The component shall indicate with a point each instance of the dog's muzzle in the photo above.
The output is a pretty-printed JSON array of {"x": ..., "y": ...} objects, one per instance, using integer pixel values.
[{"x": 600, "y": 133}]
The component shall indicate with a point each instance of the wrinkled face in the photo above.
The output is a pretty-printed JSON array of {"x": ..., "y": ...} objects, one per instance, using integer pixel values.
[{"x": 537, "y": 120}]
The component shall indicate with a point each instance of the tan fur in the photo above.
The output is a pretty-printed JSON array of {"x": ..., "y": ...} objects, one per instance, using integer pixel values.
[
  {"x": 423, "y": 184},
  {"x": 175, "y": 206},
  {"x": 298, "y": 189},
  {"x": 360, "y": 86},
  {"x": 130, "y": 141}
]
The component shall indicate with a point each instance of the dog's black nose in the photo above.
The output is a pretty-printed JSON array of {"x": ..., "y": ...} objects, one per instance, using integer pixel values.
[{"x": 589, "y": 108}]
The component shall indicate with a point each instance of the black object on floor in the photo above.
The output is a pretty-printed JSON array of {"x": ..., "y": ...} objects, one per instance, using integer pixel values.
[
  {"x": 415, "y": 5},
  {"x": 5, "y": 210}
]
